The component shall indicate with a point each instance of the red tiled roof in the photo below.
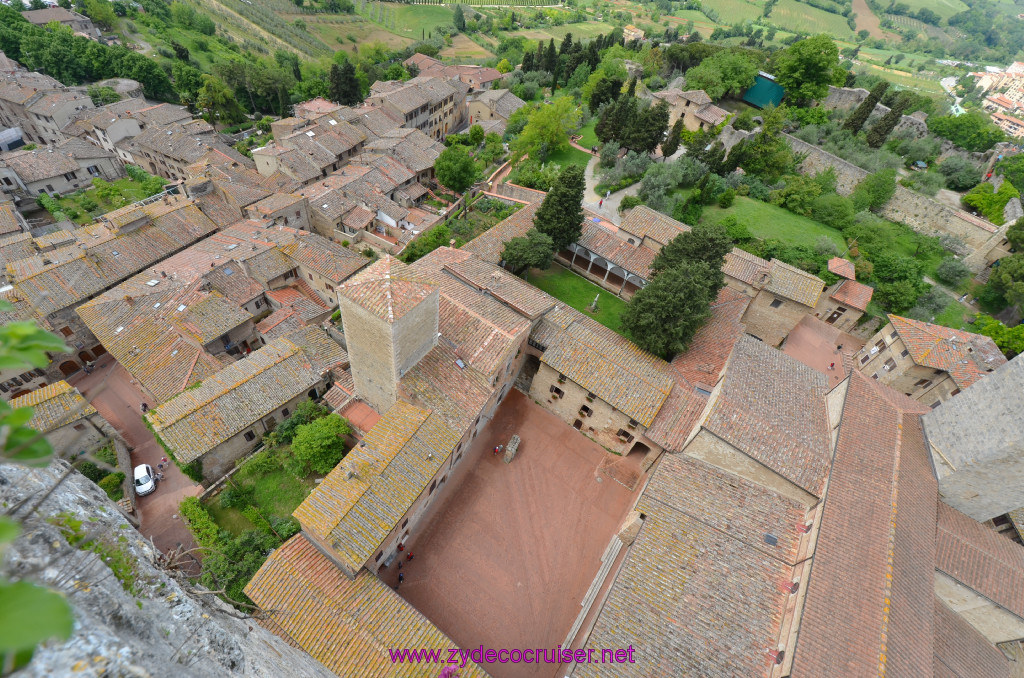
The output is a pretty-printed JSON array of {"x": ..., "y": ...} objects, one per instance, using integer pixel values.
[
  {"x": 388, "y": 288},
  {"x": 746, "y": 267},
  {"x": 962, "y": 652},
  {"x": 854, "y": 294},
  {"x": 347, "y": 625},
  {"x": 842, "y": 267},
  {"x": 869, "y": 602},
  {"x": 967, "y": 357},
  {"x": 772, "y": 408},
  {"x": 699, "y": 594},
  {"x": 980, "y": 559}
]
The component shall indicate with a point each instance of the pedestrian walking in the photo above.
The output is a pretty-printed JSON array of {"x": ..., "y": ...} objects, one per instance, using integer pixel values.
[
  {"x": 163, "y": 459},
  {"x": 145, "y": 408},
  {"x": 401, "y": 577},
  {"x": 839, "y": 347},
  {"x": 600, "y": 203},
  {"x": 400, "y": 564},
  {"x": 159, "y": 476},
  {"x": 410, "y": 556},
  {"x": 607, "y": 194},
  {"x": 831, "y": 366},
  {"x": 160, "y": 466}
]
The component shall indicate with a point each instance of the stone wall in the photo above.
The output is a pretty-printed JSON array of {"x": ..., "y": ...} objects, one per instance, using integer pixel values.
[
  {"x": 772, "y": 325},
  {"x": 843, "y": 97},
  {"x": 917, "y": 211},
  {"x": 602, "y": 426},
  {"x": 164, "y": 629}
]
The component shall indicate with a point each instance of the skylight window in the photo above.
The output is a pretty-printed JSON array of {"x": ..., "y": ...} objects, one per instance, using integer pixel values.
[
  {"x": 333, "y": 122},
  {"x": 156, "y": 305},
  {"x": 181, "y": 308},
  {"x": 153, "y": 283},
  {"x": 229, "y": 271},
  {"x": 231, "y": 246},
  {"x": 118, "y": 330},
  {"x": 310, "y": 134},
  {"x": 174, "y": 352},
  {"x": 115, "y": 253}
]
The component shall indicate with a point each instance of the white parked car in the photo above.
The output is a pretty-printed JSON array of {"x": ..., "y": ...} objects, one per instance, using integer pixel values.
[{"x": 145, "y": 480}]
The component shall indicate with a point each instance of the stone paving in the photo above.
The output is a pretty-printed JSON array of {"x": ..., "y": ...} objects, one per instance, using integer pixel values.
[
  {"x": 509, "y": 552},
  {"x": 116, "y": 396},
  {"x": 816, "y": 344}
]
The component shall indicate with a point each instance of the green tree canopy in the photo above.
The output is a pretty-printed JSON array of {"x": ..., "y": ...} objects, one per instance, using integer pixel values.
[
  {"x": 534, "y": 250},
  {"x": 1012, "y": 169},
  {"x": 875, "y": 190},
  {"x": 806, "y": 68},
  {"x": 1008, "y": 279},
  {"x": 725, "y": 73},
  {"x": 1010, "y": 340},
  {"x": 663, "y": 316},
  {"x": 1015, "y": 234},
  {"x": 863, "y": 110},
  {"x": 218, "y": 102},
  {"x": 455, "y": 169},
  {"x": 971, "y": 131},
  {"x": 705, "y": 242},
  {"x": 560, "y": 216},
  {"x": 321, "y": 443},
  {"x": 547, "y": 130}
]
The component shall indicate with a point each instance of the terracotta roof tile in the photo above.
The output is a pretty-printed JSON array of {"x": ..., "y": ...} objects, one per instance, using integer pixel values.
[
  {"x": 966, "y": 356},
  {"x": 875, "y": 538},
  {"x": 746, "y": 267},
  {"x": 54, "y": 405},
  {"x": 490, "y": 244},
  {"x": 961, "y": 651},
  {"x": 348, "y": 625},
  {"x": 699, "y": 594},
  {"x": 358, "y": 504},
  {"x": 502, "y": 285},
  {"x": 853, "y": 294},
  {"x": 772, "y": 408},
  {"x": 279, "y": 323},
  {"x": 980, "y": 559},
  {"x": 842, "y": 267},
  {"x": 231, "y": 400},
  {"x": 612, "y": 367},
  {"x": 792, "y": 283},
  {"x": 644, "y": 222},
  {"x": 388, "y": 288}
]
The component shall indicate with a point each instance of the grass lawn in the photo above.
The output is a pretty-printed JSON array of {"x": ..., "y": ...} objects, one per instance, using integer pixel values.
[
  {"x": 802, "y": 18},
  {"x": 588, "y": 139},
  {"x": 944, "y": 8},
  {"x": 464, "y": 48},
  {"x": 579, "y": 293},
  {"x": 769, "y": 221},
  {"x": 570, "y": 156},
  {"x": 127, "y": 192},
  {"x": 276, "y": 494},
  {"x": 953, "y": 316},
  {"x": 733, "y": 11}
]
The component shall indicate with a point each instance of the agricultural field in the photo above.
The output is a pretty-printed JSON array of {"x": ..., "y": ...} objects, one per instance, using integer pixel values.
[
  {"x": 733, "y": 11},
  {"x": 701, "y": 23},
  {"x": 801, "y": 18},
  {"x": 944, "y": 8},
  {"x": 920, "y": 83},
  {"x": 462, "y": 48},
  {"x": 933, "y": 32},
  {"x": 590, "y": 29}
]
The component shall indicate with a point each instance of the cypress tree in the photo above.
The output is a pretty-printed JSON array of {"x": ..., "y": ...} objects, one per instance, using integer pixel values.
[
  {"x": 671, "y": 143},
  {"x": 334, "y": 84},
  {"x": 538, "y": 60},
  {"x": 528, "y": 62},
  {"x": 861, "y": 113},
  {"x": 566, "y": 45},
  {"x": 550, "y": 57},
  {"x": 561, "y": 214},
  {"x": 881, "y": 130},
  {"x": 459, "y": 19},
  {"x": 351, "y": 93},
  {"x": 631, "y": 90}
]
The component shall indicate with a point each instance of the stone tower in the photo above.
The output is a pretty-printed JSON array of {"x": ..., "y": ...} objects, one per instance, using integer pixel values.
[
  {"x": 389, "y": 312},
  {"x": 977, "y": 444}
]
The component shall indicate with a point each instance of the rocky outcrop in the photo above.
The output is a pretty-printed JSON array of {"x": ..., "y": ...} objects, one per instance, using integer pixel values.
[{"x": 141, "y": 621}]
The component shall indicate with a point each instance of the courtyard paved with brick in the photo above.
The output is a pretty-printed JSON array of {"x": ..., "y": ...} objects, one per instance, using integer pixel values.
[
  {"x": 816, "y": 344},
  {"x": 116, "y": 396},
  {"x": 508, "y": 553}
]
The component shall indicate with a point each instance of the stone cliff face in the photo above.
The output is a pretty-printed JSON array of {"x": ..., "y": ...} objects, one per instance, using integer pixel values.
[{"x": 132, "y": 618}]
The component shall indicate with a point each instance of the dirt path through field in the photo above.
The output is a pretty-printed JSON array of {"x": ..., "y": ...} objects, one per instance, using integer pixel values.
[{"x": 867, "y": 19}]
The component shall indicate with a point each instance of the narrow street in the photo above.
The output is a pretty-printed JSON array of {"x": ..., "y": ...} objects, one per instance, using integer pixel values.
[
  {"x": 111, "y": 390},
  {"x": 591, "y": 200}
]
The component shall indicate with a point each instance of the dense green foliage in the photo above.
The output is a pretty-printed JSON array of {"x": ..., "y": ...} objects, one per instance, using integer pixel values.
[
  {"x": 663, "y": 316},
  {"x": 989, "y": 201},
  {"x": 971, "y": 131},
  {"x": 321, "y": 443},
  {"x": 534, "y": 250},
  {"x": 560, "y": 215}
]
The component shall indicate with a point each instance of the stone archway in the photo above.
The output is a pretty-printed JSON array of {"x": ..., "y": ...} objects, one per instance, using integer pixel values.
[
  {"x": 69, "y": 367},
  {"x": 84, "y": 356}
]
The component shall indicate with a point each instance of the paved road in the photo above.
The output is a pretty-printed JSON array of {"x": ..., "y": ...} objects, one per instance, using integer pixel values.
[
  {"x": 111, "y": 390},
  {"x": 591, "y": 200}
]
